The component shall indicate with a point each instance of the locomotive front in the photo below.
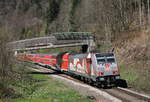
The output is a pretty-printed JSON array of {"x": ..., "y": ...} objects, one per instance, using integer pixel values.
[{"x": 106, "y": 66}]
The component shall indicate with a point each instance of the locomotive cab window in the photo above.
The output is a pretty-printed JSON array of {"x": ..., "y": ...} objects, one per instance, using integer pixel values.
[
  {"x": 111, "y": 60},
  {"x": 100, "y": 61},
  {"x": 104, "y": 55}
]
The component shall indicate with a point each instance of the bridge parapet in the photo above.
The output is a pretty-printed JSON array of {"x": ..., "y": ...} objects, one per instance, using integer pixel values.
[
  {"x": 41, "y": 41},
  {"x": 55, "y": 40},
  {"x": 73, "y": 36}
]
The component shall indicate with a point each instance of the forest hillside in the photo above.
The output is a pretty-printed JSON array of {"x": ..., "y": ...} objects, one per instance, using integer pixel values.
[{"x": 122, "y": 25}]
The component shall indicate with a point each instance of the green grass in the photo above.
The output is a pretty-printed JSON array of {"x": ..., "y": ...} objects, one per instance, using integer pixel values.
[
  {"x": 44, "y": 89},
  {"x": 136, "y": 77},
  {"x": 129, "y": 74}
]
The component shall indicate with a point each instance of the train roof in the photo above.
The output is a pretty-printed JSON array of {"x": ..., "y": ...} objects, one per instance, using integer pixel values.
[{"x": 43, "y": 54}]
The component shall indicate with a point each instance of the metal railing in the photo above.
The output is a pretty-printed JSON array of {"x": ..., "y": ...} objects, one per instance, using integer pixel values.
[
  {"x": 54, "y": 40},
  {"x": 73, "y": 36}
]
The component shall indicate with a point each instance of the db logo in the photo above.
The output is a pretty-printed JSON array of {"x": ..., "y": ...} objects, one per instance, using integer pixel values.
[{"x": 107, "y": 67}]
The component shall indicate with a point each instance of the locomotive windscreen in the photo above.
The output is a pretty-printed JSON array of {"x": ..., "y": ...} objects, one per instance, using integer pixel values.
[
  {"x": 110, "y": 60},
  {"x": 99, "y": 61},
  {"x": 105, "y": 58},
  {"x": 104, "y": 55}
]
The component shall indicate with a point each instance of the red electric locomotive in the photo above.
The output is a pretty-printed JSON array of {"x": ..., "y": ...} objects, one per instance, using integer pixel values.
[
  {"x": 94, "y": 68},
  {"x": 97, "y": 68}
]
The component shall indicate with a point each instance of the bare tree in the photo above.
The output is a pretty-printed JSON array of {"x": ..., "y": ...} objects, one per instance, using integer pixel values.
[
  {"x": 5, "y": 54},
  {"x": 148, "y": 2}
]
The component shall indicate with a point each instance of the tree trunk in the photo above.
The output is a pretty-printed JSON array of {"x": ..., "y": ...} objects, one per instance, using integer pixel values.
[{"x": 148, "y": 12}]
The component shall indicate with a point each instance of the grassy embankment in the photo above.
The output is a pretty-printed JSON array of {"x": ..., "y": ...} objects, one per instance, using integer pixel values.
[
  {"x": 135, "y": 65},
  {"x": 136, "y": 78},
  {"x": 45, "y": 89},
  {"x": 41, "y": 88}
]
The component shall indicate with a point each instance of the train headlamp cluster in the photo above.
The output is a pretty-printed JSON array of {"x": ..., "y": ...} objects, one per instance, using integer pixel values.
[
  {"x": 117, "y": 77},
  {"x": 102, "y": 79}
]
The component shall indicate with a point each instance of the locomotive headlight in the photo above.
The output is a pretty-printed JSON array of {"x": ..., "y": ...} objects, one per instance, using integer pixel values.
[
  {"x": 102, "y": 79},
  {"x": 117, "y": 77},
  {"x": 114, "y": 66}
]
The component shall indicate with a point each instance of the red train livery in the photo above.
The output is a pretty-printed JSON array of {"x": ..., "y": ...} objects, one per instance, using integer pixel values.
[{"x": 94, "y": 68}]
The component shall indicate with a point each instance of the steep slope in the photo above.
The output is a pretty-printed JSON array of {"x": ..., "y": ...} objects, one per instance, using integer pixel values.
[{"x": 133, "y": 51}]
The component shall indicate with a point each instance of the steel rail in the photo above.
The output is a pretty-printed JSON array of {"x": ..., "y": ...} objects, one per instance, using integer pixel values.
[{"x": 142, "y": 96}]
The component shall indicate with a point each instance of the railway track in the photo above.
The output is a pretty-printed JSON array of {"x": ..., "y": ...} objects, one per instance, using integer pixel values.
[{"x": 126, "y": 95}]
